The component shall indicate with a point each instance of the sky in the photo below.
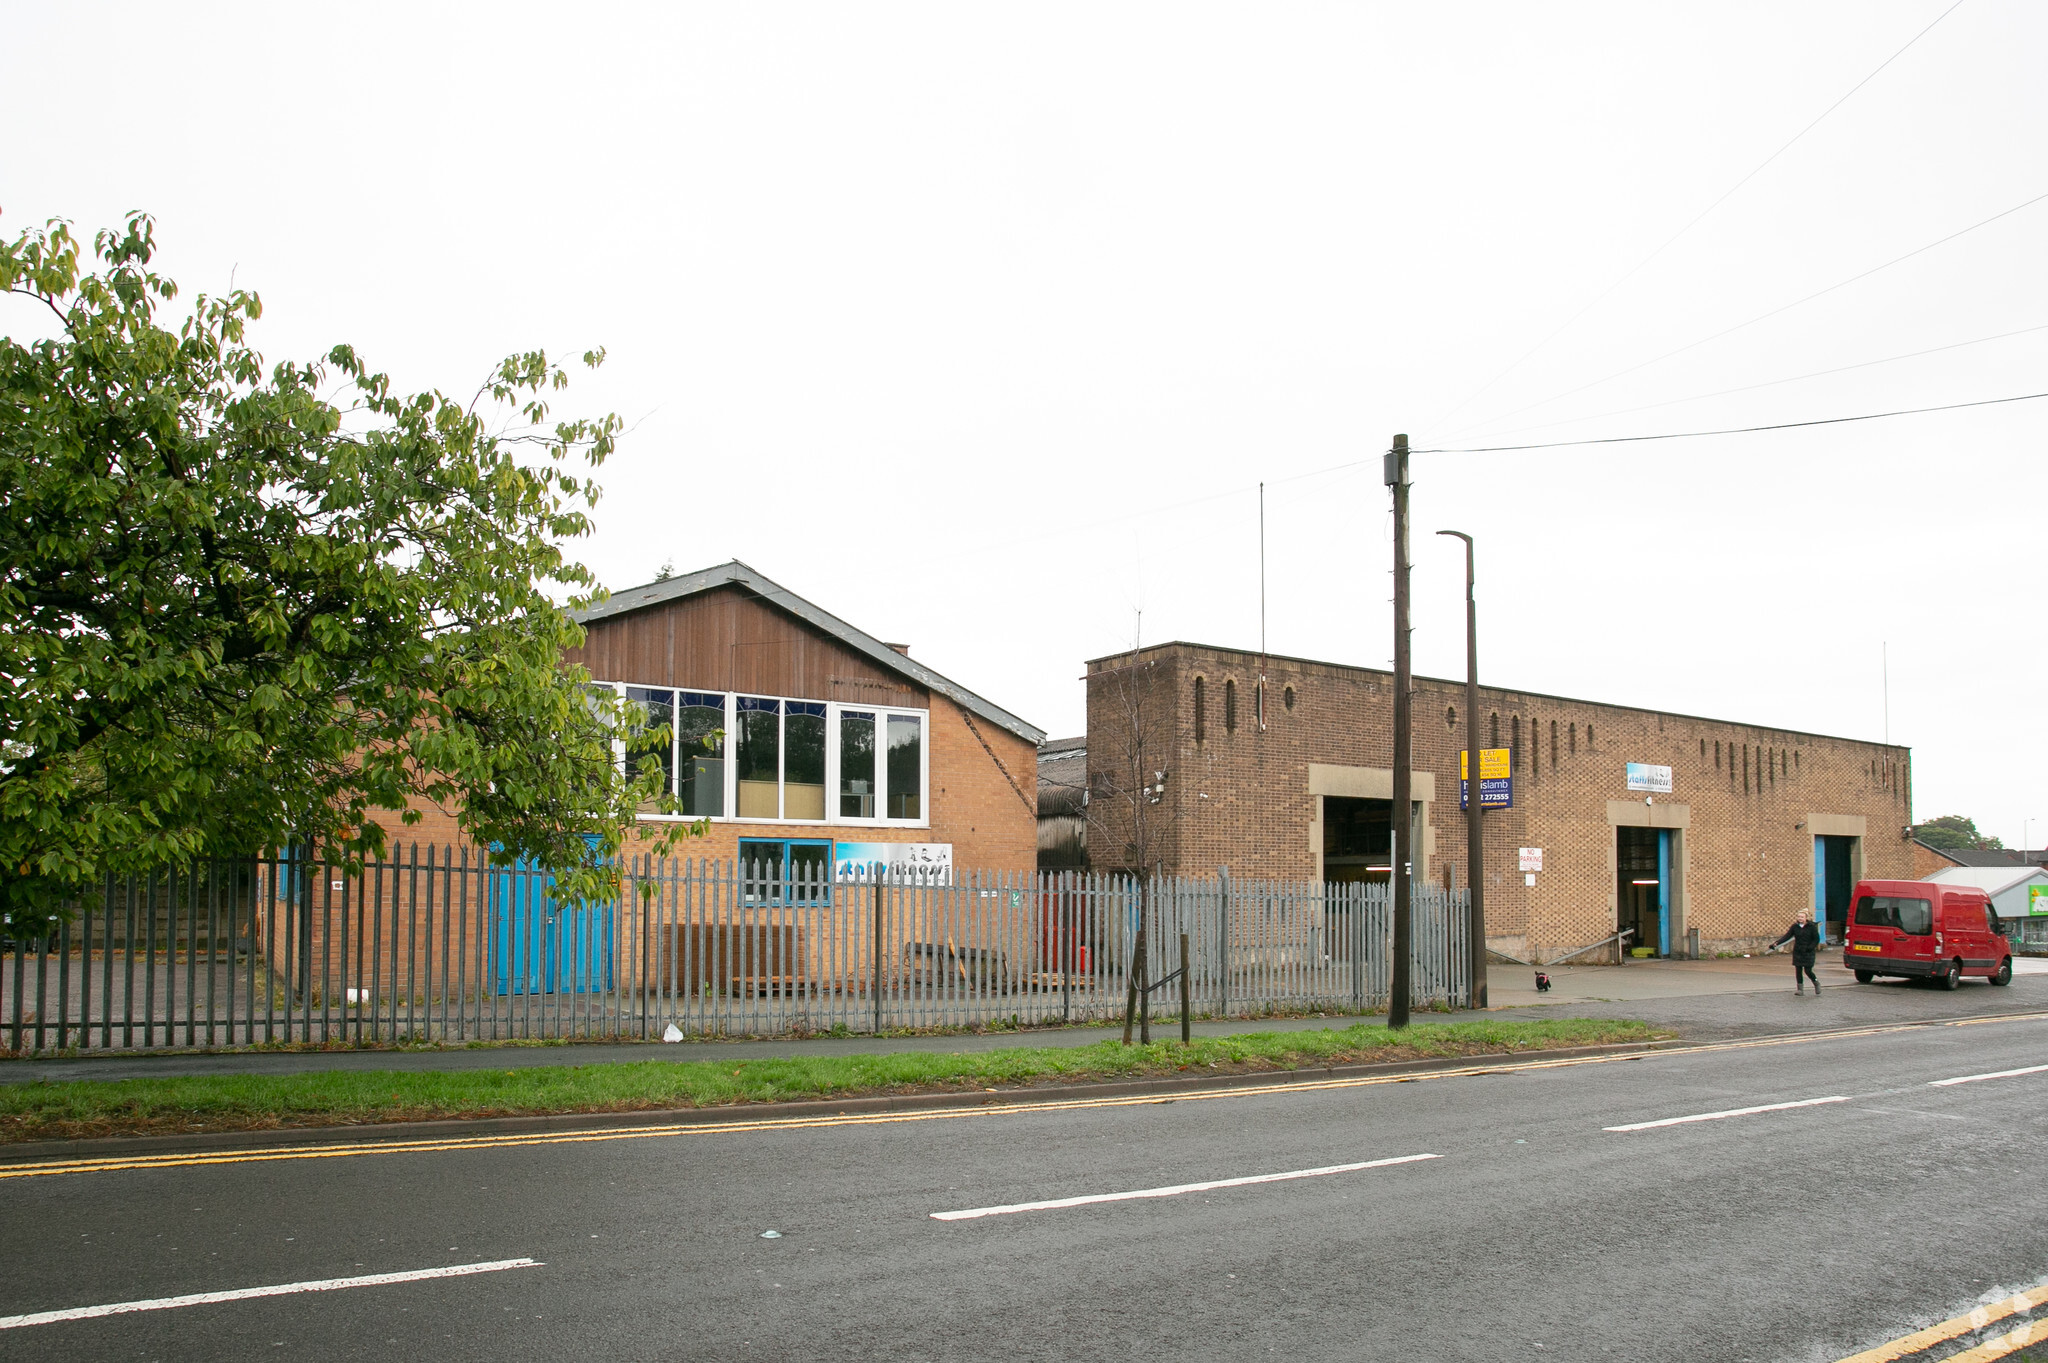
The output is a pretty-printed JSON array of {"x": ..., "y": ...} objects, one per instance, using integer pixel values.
[{"x": 980, "y": 325}]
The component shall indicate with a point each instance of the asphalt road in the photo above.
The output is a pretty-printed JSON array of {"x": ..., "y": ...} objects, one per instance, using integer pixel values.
[{"x": 1798, "y": 1234}]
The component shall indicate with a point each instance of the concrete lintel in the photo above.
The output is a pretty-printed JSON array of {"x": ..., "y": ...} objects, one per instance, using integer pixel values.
[
  {"x": 1837, "y": 825},
  {"x": 1635, "y": 814},
  {"x": 1367, "y": 783}
]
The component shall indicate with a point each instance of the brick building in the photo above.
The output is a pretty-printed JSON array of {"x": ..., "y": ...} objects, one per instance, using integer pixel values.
[
  {"x": 802, "y": 739},
  {"x": 804, "y": 743},
  {"x": 1195, "y": 765}
]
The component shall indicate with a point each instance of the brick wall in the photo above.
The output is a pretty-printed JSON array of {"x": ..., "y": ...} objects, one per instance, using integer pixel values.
[{"x": 1241, "y": 798}]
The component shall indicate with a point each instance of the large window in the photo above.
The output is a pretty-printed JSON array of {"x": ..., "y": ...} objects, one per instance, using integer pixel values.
[
  {"x": 700, "y": 746},
  {"x": 857, "y": 785},
  {"x": 906, "y": 767},
  {"x": 759, "y": 758},
  {"x": 653, "y": 740},
  {"x": 801, "y": 761}
]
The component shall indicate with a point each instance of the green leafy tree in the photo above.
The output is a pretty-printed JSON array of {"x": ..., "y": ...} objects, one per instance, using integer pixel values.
[
  {"x": 1954, "y": 833},
  {"x": 241, "y": 607}
]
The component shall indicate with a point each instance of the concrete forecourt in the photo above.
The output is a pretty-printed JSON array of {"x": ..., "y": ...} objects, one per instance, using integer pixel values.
[{"x": 1688, "y": 1204}]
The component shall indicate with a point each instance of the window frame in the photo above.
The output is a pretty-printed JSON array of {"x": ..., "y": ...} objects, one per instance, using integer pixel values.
[
  {"x": 730, "y": 773},
  {"x": 781, "y": 897}
]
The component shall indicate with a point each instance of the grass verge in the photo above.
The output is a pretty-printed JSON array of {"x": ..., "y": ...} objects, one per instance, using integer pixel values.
[{"x": 238, "y": 1102}]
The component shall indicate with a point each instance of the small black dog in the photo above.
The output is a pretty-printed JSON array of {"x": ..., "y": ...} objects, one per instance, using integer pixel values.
[{"x": 1542, "y": 983}]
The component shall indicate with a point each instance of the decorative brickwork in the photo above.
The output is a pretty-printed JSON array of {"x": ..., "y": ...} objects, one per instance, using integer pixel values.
[{"x": 1746, "y": 801}]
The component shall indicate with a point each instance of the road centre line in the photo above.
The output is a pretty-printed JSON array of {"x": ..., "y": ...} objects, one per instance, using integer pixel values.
[
  {"x": 1980, "y": 1078},
  {"x": 1729, "y": 1112},
  {"x": 1921, "y": 1340},
  {"x": 426, "y": 1145},
  {"x": 1052, "y": 1204},
  {"x": 122, "y": 1308}
]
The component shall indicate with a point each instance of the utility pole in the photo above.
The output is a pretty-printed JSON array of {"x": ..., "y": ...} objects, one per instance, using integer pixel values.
[
  {"x": 1475, "y": 850},
  {"x": 1404, "y": 820}
]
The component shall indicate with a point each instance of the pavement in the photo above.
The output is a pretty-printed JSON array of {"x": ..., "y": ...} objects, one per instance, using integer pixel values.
[
  {"x": 1699, "y": 1000},
  {"x": 1800, "y": 1199}
]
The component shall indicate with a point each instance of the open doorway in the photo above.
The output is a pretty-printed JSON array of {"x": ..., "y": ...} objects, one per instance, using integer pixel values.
[
  {"x": 1834, "y": 876},
  {"x": 1642, "y": 892},
  {"x": 1358, "y": 840}
]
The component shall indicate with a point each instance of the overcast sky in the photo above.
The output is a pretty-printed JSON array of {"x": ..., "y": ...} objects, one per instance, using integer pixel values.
[{"x": 979, "y": 325}]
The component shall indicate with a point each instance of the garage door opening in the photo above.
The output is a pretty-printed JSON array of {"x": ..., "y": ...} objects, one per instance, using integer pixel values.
[
  {"x": 1358, "y": 840},
  {"x": 1642, "y": 892},
  {"x": 1834, "y": 876}
]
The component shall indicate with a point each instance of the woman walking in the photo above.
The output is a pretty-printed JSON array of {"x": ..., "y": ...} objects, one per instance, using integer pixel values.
[{"x": 1804, "y": 935}]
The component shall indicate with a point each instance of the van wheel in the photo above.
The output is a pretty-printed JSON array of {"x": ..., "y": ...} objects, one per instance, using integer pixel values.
[
  {"x": 1864, "y": 976},
  {"x": 1952, "y": 977},
  {"x": 2004, "y": 975}
]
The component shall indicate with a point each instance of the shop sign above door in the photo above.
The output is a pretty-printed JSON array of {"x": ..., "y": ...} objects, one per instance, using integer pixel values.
[{"x": 1643, "y": 776}]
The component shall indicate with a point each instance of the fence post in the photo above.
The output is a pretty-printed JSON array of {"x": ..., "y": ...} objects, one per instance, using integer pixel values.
[
  {"x": 1186, "y": 1032},
  {"x": 1132, "y": 969},
  {"x": 1223, "y": 943},
  {"x": 877, "y": 873}
]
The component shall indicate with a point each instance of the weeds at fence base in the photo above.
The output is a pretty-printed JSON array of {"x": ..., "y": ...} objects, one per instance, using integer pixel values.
[
  {"x": 838, "y": 1030},
  {"x": 201, "y": 1103}
]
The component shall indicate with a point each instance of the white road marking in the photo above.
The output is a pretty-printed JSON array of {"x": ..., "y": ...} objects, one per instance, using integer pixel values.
[
  {"x": 1731, "y": 1112},
  {"x": 1980, "y": 1078},
  {"x": 1175, "y": 1191},
  {"x": 120, "y": 1308}
]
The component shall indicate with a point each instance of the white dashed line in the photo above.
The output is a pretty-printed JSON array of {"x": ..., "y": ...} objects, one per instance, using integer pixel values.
[
  {"x": 1731, "y": 1112},
  {"x": 1980, "y": 1078},
  {"x": 1175, "y": 1191},
  {"x": 122, "y": 1308}
]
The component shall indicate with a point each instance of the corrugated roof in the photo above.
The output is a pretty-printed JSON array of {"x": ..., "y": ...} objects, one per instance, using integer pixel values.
[
  {"x": 1993, "y": 880},
  {"x": 739, "y": 574}
]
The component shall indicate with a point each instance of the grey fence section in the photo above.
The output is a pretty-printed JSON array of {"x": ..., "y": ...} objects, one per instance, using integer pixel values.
[{"x": 439, "y": 946}]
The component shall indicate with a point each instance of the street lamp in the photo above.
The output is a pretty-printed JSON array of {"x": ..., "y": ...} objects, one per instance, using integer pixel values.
[{"x": 1475, "y": 850}]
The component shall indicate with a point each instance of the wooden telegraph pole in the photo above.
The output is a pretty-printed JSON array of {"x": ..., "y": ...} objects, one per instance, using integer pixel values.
[
  {"x": 1475, "y": 849},
  {"x": 1403, "y": 819}
]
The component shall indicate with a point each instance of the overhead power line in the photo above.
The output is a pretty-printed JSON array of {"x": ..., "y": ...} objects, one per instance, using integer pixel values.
[
  {"x": 1698, "y": 218},
  {"x": 1778, "y": 383},
  {"x": 1736, "y": 430},
  {"x": 1782, "y": 308}
]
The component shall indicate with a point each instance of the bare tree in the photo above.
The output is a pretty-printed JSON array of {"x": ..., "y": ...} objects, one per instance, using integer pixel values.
[{"x": 1132, "y": 807}]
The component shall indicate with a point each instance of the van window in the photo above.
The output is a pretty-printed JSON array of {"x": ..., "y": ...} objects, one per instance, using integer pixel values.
[
  {"x": 1993, "y": 921},
  {"x": 1914, "y": 916}
]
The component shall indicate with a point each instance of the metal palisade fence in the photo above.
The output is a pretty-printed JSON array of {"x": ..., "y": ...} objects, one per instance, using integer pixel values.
[{"x": 440, "y": 946}]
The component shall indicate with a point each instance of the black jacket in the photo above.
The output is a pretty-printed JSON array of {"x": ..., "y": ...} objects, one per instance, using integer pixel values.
[{"x": 1804, "y": 937}]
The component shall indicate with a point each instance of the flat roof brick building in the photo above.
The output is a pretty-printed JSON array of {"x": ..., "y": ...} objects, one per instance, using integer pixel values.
[{"x": 1723, "y": 828}]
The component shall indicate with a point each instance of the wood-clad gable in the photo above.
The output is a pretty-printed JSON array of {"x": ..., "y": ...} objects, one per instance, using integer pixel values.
[{"x": 728, "y": 639}]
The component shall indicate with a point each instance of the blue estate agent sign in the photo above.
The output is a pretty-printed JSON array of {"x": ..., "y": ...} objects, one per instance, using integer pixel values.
[
  {"x": 1495, "y": 792},
  {"x": 1496, "y": 780}
]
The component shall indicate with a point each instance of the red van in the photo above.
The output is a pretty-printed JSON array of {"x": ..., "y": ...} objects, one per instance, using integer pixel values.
[{"x": 1924, "y": 930}]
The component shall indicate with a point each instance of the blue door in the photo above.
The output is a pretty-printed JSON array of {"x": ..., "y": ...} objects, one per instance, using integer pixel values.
[
  {"x": 1664, "y": 893},
  {"x": 541, "y": 944}
]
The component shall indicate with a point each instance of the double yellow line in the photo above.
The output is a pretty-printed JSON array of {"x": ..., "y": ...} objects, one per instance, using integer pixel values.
[
  {"x": 344, "y": 1150},
  {"x": 1999, "y": 1346}
]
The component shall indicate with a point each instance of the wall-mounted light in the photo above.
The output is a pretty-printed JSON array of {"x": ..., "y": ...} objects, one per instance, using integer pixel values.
[{"x": 1797, "y": 826}]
